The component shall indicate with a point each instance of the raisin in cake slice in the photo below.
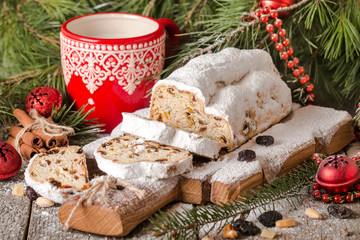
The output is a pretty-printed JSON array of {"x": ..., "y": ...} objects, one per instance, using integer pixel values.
[
  {"x": 228, "y": 96},
  {"x": 131, "y": 157},
  {"x": 161, "y": 133},
  {"x": 58, "y": 173}
]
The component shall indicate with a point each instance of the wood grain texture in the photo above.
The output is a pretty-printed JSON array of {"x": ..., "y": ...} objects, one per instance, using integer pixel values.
[
  {"x": 121, "y": 212},
  {"x": 14, "y": 210}
]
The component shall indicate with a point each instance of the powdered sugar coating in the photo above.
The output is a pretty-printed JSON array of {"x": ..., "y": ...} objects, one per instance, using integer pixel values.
[
  {"x": 161, "y": 133},
  {"x": 90, "y": 148},
  {"x": 233, "y": 84},
  {"x": 46, "y": 189},
  {"x": 298, "y": 133}
]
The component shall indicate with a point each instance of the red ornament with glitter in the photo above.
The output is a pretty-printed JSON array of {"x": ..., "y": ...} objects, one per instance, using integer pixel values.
[
  {"x": 10, "y": 161},
  {"x": 275, "y": 4},
  {"x": 337, "y": 174},
  {"x": 43, "y": 99}
]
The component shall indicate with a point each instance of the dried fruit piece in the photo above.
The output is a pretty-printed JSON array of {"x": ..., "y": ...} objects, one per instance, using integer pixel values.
[
  {"x": 245, "y": 227},
  {"x": 31, "y": 194},
  {"x": 312, "y": 213},
  {"x": 44, "y": 202},
  {"x": 285, "y": 223},
  {"x": 229, "y": 232},
  {"x": 265, "y": 140},
  {"x": 340, "y": 212},
  {"x": 268, "y": 234},
  {"x": 18, "y": 190},
  {"x": 269, "y": 218},
  {"x": 246, "y": 155}
]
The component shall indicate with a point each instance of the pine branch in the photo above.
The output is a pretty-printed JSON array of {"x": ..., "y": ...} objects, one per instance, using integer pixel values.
[
  {"x": 85, "y": 130},
  {"x": 187, "y": 224}
]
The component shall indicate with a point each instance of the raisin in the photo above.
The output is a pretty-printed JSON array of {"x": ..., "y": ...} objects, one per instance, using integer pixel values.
[
  {"x": 55, "y": 183},
  {"x": 246, "y": 228},
  {"x": 52, "y": 151},
  {"x": 31, "y": 194},
  {"x": 246, "y": 155},
  {"x": 265, "y": 140},
  {"x": 340, "y": 212},
  {"x": 202, "y": 129},
  {"x": 80, "y": 151},
  {"x": 269, "y": 218}
]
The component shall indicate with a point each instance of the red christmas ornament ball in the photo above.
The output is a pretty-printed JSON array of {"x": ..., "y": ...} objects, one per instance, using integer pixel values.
[
  {"x": 275, "y": 4},
  {"x": 349, "y": 197},
  {"x": 326, "y": 198},
  {"x": 337, "y": 174},
  {"x": 337, "y": 199},
  {"x": 10, "y": 161},
  {"x": 317, "y": 194},
  {"x": 43, "y": 99}
]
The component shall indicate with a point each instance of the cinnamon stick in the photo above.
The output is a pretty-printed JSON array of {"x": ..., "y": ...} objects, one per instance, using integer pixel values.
[
  {"x": 62, "y": 141},
  {"x": 25, "y": 149},
  {"x": 25, "y": 120},
  {"x": 28, "y": 137}
]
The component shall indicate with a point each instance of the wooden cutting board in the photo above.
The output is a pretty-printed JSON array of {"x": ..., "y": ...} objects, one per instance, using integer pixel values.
[{"x": 304, "y": 132}]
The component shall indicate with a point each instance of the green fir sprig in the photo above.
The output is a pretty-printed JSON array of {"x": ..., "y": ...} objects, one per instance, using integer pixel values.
[
  {"x": 188, "y": 223},
  {"x": 85, "y": 129}
]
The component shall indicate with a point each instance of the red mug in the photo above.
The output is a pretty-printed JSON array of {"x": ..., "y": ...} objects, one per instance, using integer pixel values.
[{"x": 111, "y": 61}]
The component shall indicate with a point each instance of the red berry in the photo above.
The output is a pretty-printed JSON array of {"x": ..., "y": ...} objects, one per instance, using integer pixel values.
[
  {"x": 357, "y": 186},
  {"x": 312, "y": 95},
  {"x": 264, "y": 19},
  {"x": 279, "y": 47},
  {"x": 337, "y": 198},
  {"x": 269, "y": 28},
  {"x": 284, "y": 56},
  {"x": 302, "y": 81},
  {"x": 290, "y": 51},
  {"x": 278, "y": 23},
  {"x": 286, "y": 42},
  {"x": 310, "y": 87},
  {"x": 296, "y": 72},
  {"x": 258, "y": 12},
  {"x": 357, "y": 194},
  {"x": 301, "y": 69},
  {"x": 266, "y": 9},
  {"x": 282, "y": 32},
  {"x": 317, "y": 194},
  {"x": 296, "y": 60},
  {"x": 326, "y": 198},
  {"x": 274, "y": 37},
  {"x": 316, "y": 186},
  {"x": 290, "y": 64},
  {"x": 349, "y": 197},
  {"x": 318, "y": 161},
  {"x": 307, "y": 78},
  {"x": 274, "y": 14}
]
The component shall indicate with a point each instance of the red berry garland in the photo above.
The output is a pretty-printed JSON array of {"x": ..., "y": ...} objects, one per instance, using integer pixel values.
[{"x": 283, "y": 46}]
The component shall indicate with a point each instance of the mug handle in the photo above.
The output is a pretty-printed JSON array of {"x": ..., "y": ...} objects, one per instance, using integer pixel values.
[{"x": 173, "y": 31}]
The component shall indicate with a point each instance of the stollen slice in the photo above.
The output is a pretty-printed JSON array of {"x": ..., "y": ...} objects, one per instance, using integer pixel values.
[
  {"x": 132, "y": 157},
  {"x": 58, "y": 173}
]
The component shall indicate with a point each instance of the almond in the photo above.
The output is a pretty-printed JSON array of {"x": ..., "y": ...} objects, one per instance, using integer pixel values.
[
  {"x": 268, "y": 234},
  {"x": 312, "y": 213},
  {"x": 44, "y": 202},
  {"x": 285, "y": 223}
]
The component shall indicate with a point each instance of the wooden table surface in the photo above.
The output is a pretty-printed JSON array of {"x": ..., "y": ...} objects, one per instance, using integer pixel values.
[{"x": 21, "y": 219}]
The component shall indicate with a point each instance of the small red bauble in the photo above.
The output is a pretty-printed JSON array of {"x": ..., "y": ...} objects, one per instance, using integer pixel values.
[
  {"x": 258, "y": 12},
  {"x": 307, "y": 78},
  {"x": 326, "y": 198},
  {"x": 284, "y": 56},
  {"x": 264, "y": 19},
  {"x": 42, "y": 99},
  {"x": 290, "y": 51},
  {"x": 10, "y": 161},
  {"x": 269, "y": 28},
  {"x": 337, "y": 174},
  {"x": 278, "y": 23},
  {"x": 296, "y": 73},
  {"x": 290, "y": 64},
  {"x": 310, "y": 88},
  {"x": 282, "y": 32},
  {"x": 279, "y": 47},
  {"x": 302, "y": 81},
  {"x": 317, "y": 194},
  {"x": 312, "y": 95},
  {"x": 286, "y": 42},
  {"x": 296, "y": 60},
  {"x": 337, "y": 199},
  {"x": 274, "y": 37},
  {"x": 301, "y": 69},
  {"x": 349, "y": 197},
  {"x": 275, "y": 4},
  {"x": 274, "y": 14},
  {"x": 266, "y": 9},
  {"x": 316, "y": 186}
]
